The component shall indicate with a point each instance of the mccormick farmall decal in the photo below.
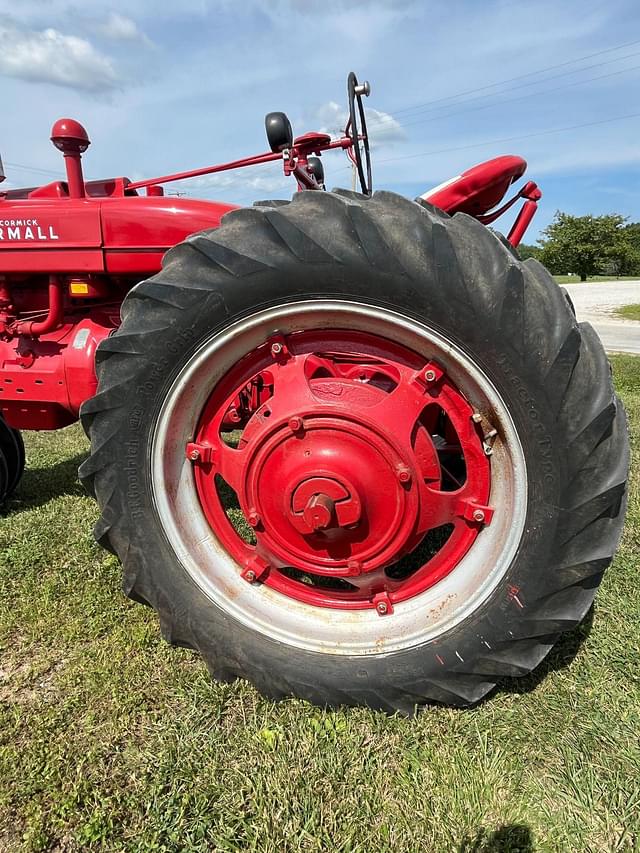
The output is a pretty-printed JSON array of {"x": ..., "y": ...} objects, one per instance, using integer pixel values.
[{"x": 26, "y": 229}]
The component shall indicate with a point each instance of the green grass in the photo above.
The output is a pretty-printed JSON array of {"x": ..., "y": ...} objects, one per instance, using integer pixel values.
[
  {"x": 629, "y": 312},
  {"x": 112, "y": 740},
  {"x": 575, "y": 279}
]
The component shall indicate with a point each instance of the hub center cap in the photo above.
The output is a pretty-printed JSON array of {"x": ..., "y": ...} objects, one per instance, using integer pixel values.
[
  {"x": 342, "y": 501},
  {"x": 320, "y": 503}
]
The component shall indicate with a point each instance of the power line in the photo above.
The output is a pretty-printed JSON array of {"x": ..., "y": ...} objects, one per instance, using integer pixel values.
[
  {"x": 509, "y": 139},
  {"x": 522, "y": 97},
  {"x": 518, "y": 77},
  {"x": 33, "y": 169},
  {"x": 514, "y": 88}
]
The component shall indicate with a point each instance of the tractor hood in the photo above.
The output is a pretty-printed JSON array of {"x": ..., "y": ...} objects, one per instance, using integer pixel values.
[{"x": 43, "y": 230}]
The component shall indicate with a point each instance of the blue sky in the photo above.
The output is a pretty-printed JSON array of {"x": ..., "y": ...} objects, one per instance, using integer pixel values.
[{"x": 165, "y": 86}]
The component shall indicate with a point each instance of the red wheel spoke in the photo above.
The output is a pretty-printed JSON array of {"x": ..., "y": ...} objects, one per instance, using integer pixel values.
[
  {"x": 445, "y": 507},
  {"x": 228, "y": 462},
  {"x": 406, "y": 400},
  {"x": 315, "y": 362},
  {"x": 368, "y": 584},
  {"x": 290, "y": 383},
  {"x": 442, "y": 507}
]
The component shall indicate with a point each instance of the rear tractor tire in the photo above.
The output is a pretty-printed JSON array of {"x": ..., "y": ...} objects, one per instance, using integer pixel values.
[{"x": 352, "y": 449}]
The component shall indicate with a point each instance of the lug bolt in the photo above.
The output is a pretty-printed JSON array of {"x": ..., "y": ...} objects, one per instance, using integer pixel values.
[
  {"x": 403, "y": 473},
  {"x": 355, "y": 567},
  {"x": 194, "y": 455},
  {"x": 250, "y": 576},
  {"x": 429, "y": 375},
  {"x": 253, "y": 519},
  {"x": 276, "y": 349},
  {"x": 295, "y": 424},
  {"x": 478, "y": 515},
  {"x": 476, "y": 417},
  {"x": 381, "y": 607}
]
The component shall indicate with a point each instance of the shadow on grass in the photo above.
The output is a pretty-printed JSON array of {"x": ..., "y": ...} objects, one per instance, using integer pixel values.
[
  {"x": 560, "y": 656},
  {"x": 511, "y": 838},
  {"x": 40, "y": 485}
]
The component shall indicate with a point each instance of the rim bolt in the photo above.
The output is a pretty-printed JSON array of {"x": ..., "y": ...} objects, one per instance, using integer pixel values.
[
  {"x": 382, "y": 604},
  {"x": 202, "y": 453},
  {"x": 476, "y": 417},
  {"x": 355, "y": 567},
  {"x": 295, "y": 424},
  {"x": 253, "y": 518},
  {"x": 256, "y": 571},
  {"x": 478, "y": 515},
  {"x": 403, "y": 473},
  {"x": 428, "y": 377},
  {"x": 276, "y": 349}
]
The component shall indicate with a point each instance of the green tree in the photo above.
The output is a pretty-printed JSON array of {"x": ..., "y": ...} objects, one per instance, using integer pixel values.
[
  {"x": 632, "y": 235},
  {"x": 632, "y": 230},
  {"x": 526, "y": 251},
  {"x": 586, "y": 245}
]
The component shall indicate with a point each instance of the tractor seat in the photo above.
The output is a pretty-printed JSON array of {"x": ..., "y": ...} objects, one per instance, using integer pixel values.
[{"x": 479, "y": 189}]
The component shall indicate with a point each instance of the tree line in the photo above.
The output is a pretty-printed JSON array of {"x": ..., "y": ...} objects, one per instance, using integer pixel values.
[{"x": 588, "y": 246}]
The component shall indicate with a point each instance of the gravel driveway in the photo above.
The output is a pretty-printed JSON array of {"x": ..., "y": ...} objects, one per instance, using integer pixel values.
[{"x": 596, "y": 303}]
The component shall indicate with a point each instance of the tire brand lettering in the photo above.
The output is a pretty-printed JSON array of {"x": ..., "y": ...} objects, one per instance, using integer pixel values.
[
  {"x": 184, "y": 337},
  {"x": 535, "y": 426},
  {"x": 134, "y": 498},
  {"x": 147, "y": 387},
  {"x": 135, "y": 418}
]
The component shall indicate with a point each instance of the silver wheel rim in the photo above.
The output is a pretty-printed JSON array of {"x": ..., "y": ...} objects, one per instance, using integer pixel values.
[{"x": 263, "y": 609}]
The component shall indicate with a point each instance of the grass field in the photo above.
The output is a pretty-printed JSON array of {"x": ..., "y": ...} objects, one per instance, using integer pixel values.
[
  {"x": 575, "y": 279},
  {"x": 629, "y": 312},
  {"x": 112, "y": 740}
]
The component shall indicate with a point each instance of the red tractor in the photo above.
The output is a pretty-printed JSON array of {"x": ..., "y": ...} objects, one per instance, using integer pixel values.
[{"x": 348, "y": 446}]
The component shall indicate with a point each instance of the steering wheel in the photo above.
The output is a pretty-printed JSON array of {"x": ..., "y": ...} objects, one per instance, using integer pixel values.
[{"x": 356, "y": 130}]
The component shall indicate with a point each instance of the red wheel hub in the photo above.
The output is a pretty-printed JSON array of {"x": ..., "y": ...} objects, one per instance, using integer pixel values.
[
  {"x": 328, "y": 493},
  {"x": 359, "y": 451},
  {"x": 324, "y": 503}
]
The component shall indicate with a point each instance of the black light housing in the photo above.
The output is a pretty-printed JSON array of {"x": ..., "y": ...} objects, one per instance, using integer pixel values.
[
  {"x": 279, "y": 131},
  {"x": 316, "y": 167}
]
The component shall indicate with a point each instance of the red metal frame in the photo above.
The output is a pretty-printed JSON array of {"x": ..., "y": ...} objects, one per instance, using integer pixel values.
[{"x": 294, "y": 160}]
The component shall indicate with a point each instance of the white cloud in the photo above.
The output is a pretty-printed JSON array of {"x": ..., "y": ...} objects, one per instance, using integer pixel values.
[
  {"x": 120, "y": 28},
  {"x": 49, "y": 56},
  {"x": 382, "y": 127}
]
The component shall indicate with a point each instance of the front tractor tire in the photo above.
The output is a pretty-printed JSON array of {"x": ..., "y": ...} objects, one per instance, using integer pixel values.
[
  {"x": 351, "y": 449},
  {"x": 12, "y": 460}
]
